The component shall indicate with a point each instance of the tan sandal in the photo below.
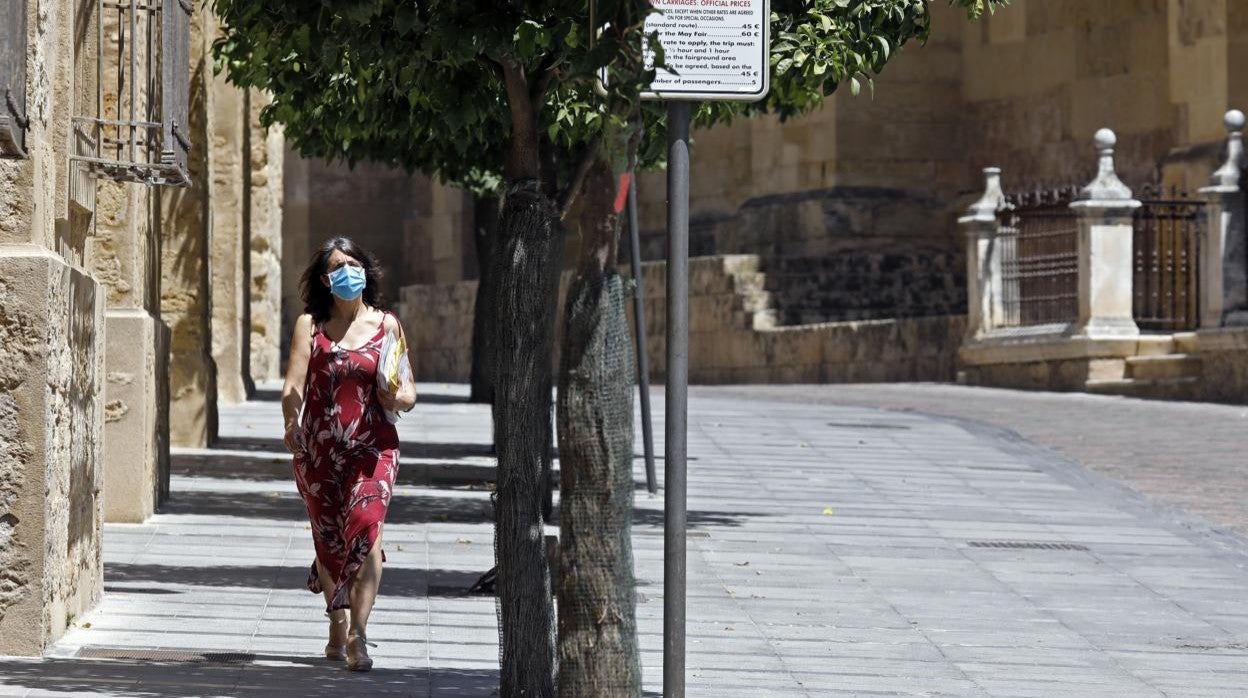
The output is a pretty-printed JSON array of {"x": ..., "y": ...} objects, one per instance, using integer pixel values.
[
  {"x": 357, "y": 654},
  {"x": 334, "y": 652}
]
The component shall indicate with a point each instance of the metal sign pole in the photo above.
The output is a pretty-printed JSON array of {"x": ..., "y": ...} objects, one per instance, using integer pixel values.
[
  {"x": 676, "y": 399},
  {"x": 639, "y": 319}
]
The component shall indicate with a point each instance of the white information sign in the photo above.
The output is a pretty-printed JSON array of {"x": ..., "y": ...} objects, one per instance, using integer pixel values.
[{"x": 717, "y": 48}]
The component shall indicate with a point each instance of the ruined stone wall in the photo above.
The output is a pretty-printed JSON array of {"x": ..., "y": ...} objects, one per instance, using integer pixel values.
[
  {"x": 186, "y": 251},
  {"x": 51, "y": 373}
]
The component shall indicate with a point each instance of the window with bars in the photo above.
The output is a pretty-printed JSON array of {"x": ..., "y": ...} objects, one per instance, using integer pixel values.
[
  {"x": 140, "y": 132},
  {"x": 13, "y": 79}
]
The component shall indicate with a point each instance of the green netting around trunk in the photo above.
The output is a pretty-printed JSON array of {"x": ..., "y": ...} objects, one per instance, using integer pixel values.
[{"x": 598, "y": 654}]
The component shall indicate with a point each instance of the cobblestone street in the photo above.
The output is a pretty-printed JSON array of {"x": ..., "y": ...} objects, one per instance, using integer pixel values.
[{"x": 836, "y": 548}]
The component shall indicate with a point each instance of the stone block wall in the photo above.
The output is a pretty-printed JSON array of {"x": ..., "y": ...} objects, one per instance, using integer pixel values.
[
  {"x": 733, "y": 337},
  {"x": 846, "y": 253},
  {"x": 264, "y": 241},
  {"x": 438, "y": 321},
  {"x": 1224, "y": 364},
  {"x": 732, "y": 334},
  {"x": 186, "y": 286},
  {"x": 52, "y": 368},
  {"x": 419, "y": 229},
  {"x": 867, "y": 286}
]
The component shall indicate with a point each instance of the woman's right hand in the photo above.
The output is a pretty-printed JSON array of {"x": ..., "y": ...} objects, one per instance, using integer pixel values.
[{"x": 294, "y": 440}]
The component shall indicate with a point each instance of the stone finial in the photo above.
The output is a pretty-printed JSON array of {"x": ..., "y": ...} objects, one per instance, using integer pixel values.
[
  {"x": 985, "y": 209},
  {"x": 1105, "y": 186},
  {"x": 1228, "y": 174}
]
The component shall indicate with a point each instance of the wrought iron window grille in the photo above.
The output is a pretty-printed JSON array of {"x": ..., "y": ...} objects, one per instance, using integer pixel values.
[
  {"x": 13, "y": 121},
  {"x": 140, "y": 133}
]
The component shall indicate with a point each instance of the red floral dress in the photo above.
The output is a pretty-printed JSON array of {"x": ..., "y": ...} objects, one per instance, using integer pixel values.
[{"x": 346, "y": 471}]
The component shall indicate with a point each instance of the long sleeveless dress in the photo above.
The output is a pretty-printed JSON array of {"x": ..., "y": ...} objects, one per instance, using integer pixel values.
[{"x": 346, "y": 471}]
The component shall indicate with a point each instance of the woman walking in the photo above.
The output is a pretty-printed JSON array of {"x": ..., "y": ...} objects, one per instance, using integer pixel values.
[{"x": 346, "y": 453}]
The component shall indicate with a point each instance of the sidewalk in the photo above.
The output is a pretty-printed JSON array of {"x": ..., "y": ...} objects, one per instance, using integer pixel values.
[{"x": 835, "y": 550}]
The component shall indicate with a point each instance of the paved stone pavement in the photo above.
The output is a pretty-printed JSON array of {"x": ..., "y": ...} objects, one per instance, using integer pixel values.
[
  {"x": 1192, "y": 456},
  {"x": 834, "y": 551}
]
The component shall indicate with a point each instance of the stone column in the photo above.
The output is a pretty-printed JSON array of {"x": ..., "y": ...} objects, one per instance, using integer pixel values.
[
  {"x": 124, "y": 255},
  {"x": 264, "y": 235},
  {"x": 228, "y": 164},
  {"x": 52, "y": 331},
  {"x": 983, "y": 258},
  {"x": 1224, "y": 247},
  {"x": 1104, "y": 210},
  {"x": 186, "y": 292}
]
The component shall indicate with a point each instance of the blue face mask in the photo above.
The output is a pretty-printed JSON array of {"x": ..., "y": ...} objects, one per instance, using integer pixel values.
[{"x": 347, "y": 282}]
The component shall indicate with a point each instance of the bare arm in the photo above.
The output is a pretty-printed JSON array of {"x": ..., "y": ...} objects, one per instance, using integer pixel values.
[
  {"x": 406, "y": 395},
  {"x": 296, "y": 372}
]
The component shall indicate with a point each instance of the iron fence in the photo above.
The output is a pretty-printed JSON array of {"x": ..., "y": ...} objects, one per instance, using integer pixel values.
[
  {"x": 1038, "y": 235},
  {"x": 1166, "y": 260}
]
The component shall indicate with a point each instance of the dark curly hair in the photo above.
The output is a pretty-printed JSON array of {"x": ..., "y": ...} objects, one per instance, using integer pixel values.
[{"x": 317, "y": 299}]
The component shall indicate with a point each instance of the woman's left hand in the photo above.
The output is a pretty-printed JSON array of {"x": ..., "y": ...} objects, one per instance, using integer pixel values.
[
  {"x": 388, "y": 400},
  {"x": 397, "y": 402}
]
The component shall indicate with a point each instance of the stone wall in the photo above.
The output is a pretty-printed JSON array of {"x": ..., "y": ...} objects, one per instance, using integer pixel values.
[
  {"x": 732, "y": 334},
  {"x": 186, "y": 252},
  {"x": 228, "y": 167},
  {"x": 1224, "y": 364},
  {"x": 438, "y": 321},
  {"x": 420, "y": 230},
  {"x": 124, "y": 254},
  {"x": 51, "y": 372},
  {"x": 264, "y": 236}
]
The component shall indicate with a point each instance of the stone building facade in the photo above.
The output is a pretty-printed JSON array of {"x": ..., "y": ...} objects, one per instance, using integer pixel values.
[
  {"x": 123, "y": 305},
  {"x": 852, "y": 209}
]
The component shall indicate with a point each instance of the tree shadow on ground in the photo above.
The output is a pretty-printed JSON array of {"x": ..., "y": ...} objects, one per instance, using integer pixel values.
[
  {"x": 404, "y": 508},
  {"x": 407, "y": 449},
  {"x": 308, "y": 676},
  {"x": 396, "y": 581},
  {"x": 261, "y": 467}
]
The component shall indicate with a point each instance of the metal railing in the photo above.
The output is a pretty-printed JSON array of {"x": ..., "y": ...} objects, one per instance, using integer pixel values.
[
  {"x": 1038, "y": 235},
  {"x": 1166, "y": 263}
]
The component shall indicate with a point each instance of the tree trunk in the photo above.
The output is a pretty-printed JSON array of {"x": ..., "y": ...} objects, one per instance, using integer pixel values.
[
  {"x": 598, "y": 653},
  {"x": 526, "y": 268},
  {"x": 485, "y": 309}
]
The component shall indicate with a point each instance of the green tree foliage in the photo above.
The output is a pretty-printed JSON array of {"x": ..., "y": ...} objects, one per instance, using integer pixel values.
[{"x": 417, "y": 84}]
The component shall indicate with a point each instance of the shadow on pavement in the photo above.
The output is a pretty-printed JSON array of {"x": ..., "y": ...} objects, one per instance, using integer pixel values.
[
  {"x": 309, "y": 677},
  {"x": 407, "y": 449},
  {"x": 396, "y": 581},
  {"x": 404, "y": 508},
  {"x": 259, "y": 466}
]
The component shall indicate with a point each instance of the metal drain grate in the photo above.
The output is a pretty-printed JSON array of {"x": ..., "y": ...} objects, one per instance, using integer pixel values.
[
  {"x": 1025, "y": 545},
  {"x": 173, "y": 656},
  {"x": 869, "y": 425}
]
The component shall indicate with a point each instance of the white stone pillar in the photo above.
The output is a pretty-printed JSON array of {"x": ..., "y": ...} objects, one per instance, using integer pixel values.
[
  {"x": 1104, "y": 210},
  {"x": 1224, "y": 247},
  {"x": 983, "y": 259}
]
